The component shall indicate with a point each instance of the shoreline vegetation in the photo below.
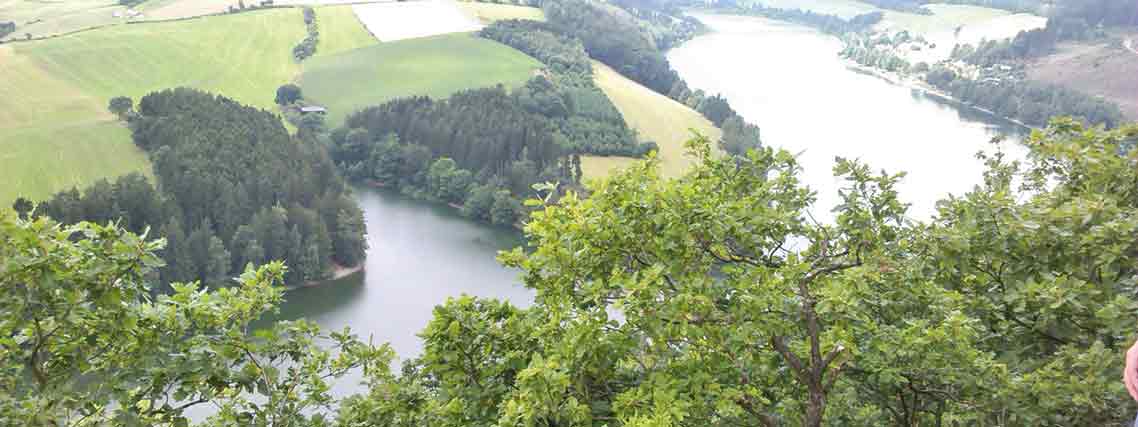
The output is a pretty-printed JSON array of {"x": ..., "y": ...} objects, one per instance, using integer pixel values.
[
  {"x": 854, "y": 34},
  {"x": 916, "y": 83}
]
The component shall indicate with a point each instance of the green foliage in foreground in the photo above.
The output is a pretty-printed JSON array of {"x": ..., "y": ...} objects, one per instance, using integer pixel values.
[
  {"x": 86, "y": 344},
  {"x": 709, "y": 300}
]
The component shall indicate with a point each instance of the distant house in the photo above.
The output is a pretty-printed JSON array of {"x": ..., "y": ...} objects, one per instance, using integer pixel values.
[{"x": 313, "y": 109}]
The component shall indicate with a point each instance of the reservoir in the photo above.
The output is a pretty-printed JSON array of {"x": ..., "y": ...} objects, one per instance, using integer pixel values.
[{"x": 790, "y": 81}]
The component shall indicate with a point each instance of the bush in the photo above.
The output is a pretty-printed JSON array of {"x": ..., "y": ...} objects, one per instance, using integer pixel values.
[{"x": 288, "y": 94}]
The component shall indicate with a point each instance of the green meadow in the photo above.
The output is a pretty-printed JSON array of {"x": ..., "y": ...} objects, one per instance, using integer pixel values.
[
  {"x": 55, "y": 132},
  {"x": 434, "y": 66},
  {"x": 340, "y": 31}
]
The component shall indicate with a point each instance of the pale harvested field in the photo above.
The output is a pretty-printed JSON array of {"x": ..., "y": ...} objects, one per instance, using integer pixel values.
[
  {"x": 414, "y": 19},
  {"x": 487, "y": 13},
  {"x": 327, "y": 2},
  {"x": 1097, "y": 69},
  {"x": 174, "y": 9},
  {"x": 655, "y": 117}
]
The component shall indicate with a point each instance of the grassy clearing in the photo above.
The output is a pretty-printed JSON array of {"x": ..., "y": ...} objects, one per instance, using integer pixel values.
[
  {"x": 487, "y": 13},
  {"x": 54, "y": 128},
  {"x": 656, "y": 118},
  {"x": 53, "y": 136},
  {"x": 244, "y": 56},
  {"x": 340, "y": 31},
  {"x": 435, "y": 66},
  {"x": 38, "y": 162}
]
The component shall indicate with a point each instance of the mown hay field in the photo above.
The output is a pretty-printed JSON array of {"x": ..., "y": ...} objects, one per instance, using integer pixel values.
[{"x": 655, "y": 117}]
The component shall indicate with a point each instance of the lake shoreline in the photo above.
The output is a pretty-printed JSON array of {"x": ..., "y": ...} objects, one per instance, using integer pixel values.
[
  {"x": 338, "y": 272},
  {"x": 921, "y": 85}
]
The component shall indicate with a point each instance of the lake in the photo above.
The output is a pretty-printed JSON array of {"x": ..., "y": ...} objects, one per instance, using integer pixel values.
[
  {"x": 419, "y": 254},
  {"x": 788, "y": 80}
]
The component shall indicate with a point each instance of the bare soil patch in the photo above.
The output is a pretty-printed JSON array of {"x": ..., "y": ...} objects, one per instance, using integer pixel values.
[{"x": 1102, "y": 69}]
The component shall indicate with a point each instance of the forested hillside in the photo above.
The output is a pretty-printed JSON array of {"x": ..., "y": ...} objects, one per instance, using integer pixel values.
[
  {"x": 1028, "y": 101},
  {"x": 1012, "y": 306},
  {"x": 233, "y": 188},
  {"x": 586, "y": 120},
  {"x": 1070, "y": 20},
  {"x": 617, "y": 38},
  {"x": 479, "y": 148}
]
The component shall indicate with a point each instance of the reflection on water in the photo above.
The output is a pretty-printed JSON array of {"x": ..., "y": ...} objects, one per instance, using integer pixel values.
[{"x": 789, "y": 81}]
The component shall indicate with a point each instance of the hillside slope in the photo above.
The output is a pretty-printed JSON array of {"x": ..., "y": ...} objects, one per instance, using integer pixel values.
[
  {"x": 54, "y": 126},
  {"x": 655, "y": 117}
]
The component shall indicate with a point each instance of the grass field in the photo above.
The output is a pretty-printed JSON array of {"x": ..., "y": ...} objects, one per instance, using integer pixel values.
[
  {"x": 656, "y": 118},
  {"x": 54, "y": 127},
  {"x": 435, "y": 66},
  {"x": 487, "y": 13},
  {"x": 45, "y": 18},
  {"x": 340, "y": 31}
]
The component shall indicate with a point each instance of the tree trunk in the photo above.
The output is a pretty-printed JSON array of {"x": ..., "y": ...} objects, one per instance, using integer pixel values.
[{"x": 815, "y": 407}]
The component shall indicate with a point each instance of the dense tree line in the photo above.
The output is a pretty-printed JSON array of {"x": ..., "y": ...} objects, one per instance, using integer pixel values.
[
  {"x": 233, "y": 188},
  {"x": 1070, "y": 20},
  {"x": 1012, "y": 306},
  {"x": 586, "y": 120},
  {"x": 480, "y": 147},
  {"x": 612, "y": 35},
  {"x": 665, "y": 24},
  {"x": 307, "y": 47},
  {"x": 826, "y": 23},
  {"x": 1027, "y": 101},
  {"x": 1095, "y": 13},
  {"x": 876, "y": 50}
]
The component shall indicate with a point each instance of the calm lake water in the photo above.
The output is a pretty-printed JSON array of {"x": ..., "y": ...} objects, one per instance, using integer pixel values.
[
  {"x": 787, "y": 79},
  {"x": 419, "y": 254}
]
